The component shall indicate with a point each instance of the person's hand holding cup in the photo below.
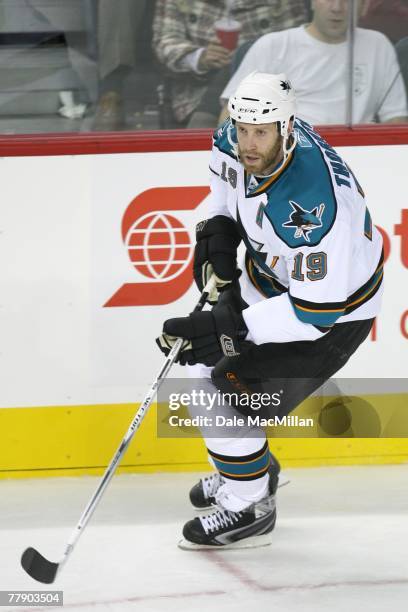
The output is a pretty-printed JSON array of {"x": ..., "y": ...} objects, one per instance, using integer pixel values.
[
  {"x": 214, "y": 56},
  {"x": 219, "y": 54},
  {"x": 227, "y": 30}
]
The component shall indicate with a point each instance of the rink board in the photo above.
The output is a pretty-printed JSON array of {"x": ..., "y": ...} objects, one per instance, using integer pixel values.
[
  {"x": 79, "y": 319},
  {"x": 76, "y": 440}
]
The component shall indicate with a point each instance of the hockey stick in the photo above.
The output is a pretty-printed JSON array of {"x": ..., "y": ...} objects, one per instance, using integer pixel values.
[{"x": 37, "y": 566}]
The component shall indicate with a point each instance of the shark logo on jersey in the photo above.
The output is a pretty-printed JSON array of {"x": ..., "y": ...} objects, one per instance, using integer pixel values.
[{"x": 305, "y": 221}]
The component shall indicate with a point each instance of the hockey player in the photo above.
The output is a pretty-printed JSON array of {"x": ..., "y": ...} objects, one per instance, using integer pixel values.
[{"x": 309, "y": 290}]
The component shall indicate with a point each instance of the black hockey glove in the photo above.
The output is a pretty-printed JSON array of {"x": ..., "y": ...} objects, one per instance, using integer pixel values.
[
  {"x": 208, "y": 335},
  {"x": 216, "y": 252}
]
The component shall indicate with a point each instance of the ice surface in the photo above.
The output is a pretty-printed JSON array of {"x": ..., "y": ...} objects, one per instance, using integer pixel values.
[{"x": 341, "y": 543}]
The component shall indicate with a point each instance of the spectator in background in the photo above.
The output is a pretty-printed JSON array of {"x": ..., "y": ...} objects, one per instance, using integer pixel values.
[
  {"x": 109, "y": 41},
  {"x": 119, "y": 28},
  {"x": 121, "y": 35},
  {"x": 185, "y": 42},
  {"x": 124, "y": 33},
  {"x": 387, "y": 16},
  {"x": 77, "y": 23},
  {"x": 314, "y": 56}
]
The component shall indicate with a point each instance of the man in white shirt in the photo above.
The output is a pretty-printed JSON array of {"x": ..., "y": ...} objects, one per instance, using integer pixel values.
[{"x": 315, "y": 57}]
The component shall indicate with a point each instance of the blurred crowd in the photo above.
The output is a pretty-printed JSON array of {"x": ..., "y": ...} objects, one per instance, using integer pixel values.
[{"x": 108, "y": 65}]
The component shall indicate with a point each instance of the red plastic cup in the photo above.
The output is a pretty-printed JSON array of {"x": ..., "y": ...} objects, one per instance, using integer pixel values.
[{"x": 228, "y": 32}]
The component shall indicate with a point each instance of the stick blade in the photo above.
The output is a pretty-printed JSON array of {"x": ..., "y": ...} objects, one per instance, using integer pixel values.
[{"x": 38, "y": 567}]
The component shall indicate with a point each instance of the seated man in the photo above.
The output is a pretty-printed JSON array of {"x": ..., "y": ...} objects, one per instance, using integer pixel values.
[
  {"x": 316, "y": 57},
  {"x": 185, "y": 42}
]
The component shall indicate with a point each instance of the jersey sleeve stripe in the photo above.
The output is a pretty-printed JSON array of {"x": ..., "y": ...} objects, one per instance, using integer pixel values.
[
  {"x": 318, "y": 318},
  {"x": 318, "y": 306},
  {"x": 372, "y": 283},
  {"x": 376, "y": 284}
]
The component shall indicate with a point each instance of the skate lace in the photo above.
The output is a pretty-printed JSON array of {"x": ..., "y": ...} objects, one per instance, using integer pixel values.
[
  {"x": 211, "y": 484},
  {"x": 218, "y": 520}
]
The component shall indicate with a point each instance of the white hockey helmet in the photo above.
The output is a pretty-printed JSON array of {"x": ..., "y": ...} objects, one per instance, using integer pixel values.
[{"x": 264, "y": 98}]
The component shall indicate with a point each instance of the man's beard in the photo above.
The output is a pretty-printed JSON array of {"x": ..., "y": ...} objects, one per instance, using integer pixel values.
[{"x": 266, "y": 162}]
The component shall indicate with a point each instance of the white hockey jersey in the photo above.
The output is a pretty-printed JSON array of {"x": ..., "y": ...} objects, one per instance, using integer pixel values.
[{"x": 313, "y": 256}]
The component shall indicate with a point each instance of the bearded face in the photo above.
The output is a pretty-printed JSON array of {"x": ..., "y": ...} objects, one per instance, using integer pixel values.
[{"x": 259, "y": 147}]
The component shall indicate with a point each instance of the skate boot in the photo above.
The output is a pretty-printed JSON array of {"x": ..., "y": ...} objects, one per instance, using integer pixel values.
[
  {"x": 222, "y": 528},
  {"x": 202, "y": 495}
]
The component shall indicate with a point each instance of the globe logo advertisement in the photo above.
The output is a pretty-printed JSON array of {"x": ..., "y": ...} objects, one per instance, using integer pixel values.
[{"x": 158, "y": 245}]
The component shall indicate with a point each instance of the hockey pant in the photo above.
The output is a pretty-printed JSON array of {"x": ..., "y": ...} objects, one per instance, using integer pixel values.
[{"x": 294, "y": 370}]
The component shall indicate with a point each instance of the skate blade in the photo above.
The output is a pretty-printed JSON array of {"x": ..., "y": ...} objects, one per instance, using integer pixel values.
[{"x": 254, "y": 542}]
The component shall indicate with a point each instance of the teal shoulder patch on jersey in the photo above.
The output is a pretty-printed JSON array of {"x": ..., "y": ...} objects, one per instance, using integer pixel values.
[
  {"x": 225, "y": 139},
  {"x": 302, "y": 208},
  {"x": 301, "y": 204}
]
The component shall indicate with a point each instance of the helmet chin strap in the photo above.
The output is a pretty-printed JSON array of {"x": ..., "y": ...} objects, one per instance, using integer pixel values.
[{"x": 287, "y": 150}]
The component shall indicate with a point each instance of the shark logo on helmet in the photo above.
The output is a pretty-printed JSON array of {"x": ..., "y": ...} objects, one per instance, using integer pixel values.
[
  {"x": 286, "y": 86},
  {"x": 305, "y": 221}
]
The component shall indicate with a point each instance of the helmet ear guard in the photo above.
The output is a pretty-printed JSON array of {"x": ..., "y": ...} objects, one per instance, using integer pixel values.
[{"x": 283, "y": 127}]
